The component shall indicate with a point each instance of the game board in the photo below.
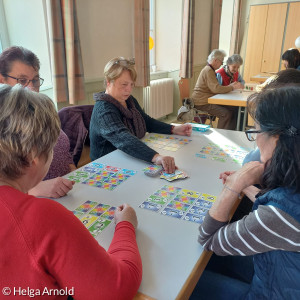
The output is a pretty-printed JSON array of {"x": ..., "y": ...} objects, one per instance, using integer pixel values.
[
  {"x": 179, "y": 203},
  {"x": 223, "y": 153},
  {"x": 102, "y": 176},
  {"x": 95, "y": 216},
  {"x": 166, "y": 142}
]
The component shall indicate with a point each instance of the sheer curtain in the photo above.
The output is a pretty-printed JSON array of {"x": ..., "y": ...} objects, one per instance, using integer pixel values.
[
  {"x": 66, "y": 60},
  {"x": 187, "y": 40},
  {"x": 141, "y": 42}
]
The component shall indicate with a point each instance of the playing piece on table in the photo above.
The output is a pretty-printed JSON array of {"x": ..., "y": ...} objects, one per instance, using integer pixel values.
[{"x": 153, "y": 170}]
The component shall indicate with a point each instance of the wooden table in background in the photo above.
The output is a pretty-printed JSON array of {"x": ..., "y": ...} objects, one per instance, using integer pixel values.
[
  {"x": 234, "y": 98},
  {"x": 260, "y": 78}
]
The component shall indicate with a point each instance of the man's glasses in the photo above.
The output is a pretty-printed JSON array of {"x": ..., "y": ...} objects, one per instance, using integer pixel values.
[
  {"x": 23, "y": 81},
  {"x": 252, "y": 134}
]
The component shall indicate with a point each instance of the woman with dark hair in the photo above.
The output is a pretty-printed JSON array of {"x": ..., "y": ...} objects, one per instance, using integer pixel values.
[
  {"x": 291, "y": 59},
  {"x": 271, "y": 231}
]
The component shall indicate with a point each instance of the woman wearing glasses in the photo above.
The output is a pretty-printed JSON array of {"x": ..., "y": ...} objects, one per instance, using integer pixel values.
[
  {"x": 118, "y": 122},
  {"x": 271, "y": 231},
  {"x": 20, "y": 65}
]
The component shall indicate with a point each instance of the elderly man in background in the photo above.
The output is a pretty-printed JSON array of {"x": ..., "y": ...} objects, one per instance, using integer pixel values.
[{"x": 207, "y": 86}]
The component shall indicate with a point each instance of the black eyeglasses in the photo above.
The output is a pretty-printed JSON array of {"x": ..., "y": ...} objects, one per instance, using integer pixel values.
[
  {"x": 124, "y": 62},
  {"x": 23, "y": 81},
  {"x": 252, "y": 134}
]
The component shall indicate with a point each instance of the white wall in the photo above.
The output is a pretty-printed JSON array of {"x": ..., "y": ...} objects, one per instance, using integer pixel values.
[
  {"x": 106, "y": 31},
  {"x": 26, "y": 27}
]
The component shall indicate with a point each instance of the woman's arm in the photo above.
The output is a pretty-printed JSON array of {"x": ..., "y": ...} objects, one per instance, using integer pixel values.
[
  {"x": 267, "y": 228},
  {"x": 108, "y": 124}
]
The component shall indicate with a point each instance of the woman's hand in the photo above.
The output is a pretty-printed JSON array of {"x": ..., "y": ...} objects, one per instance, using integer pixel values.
[
  {"x": 126, "y": 213},
  {"x": 184, "y": 129},
  {"x": 167, "y": 162},
  {"x": 248, "y": 175},
  {"x": 237, "y": 85},
  {"x": 224, "y": 175},
  {"x": 53, "y": 188}
]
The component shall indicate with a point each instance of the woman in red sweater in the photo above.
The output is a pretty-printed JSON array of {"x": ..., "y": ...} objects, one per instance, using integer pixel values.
[
  {"x": 230, "y": 72},
  {"x": 45, "y": 249}
]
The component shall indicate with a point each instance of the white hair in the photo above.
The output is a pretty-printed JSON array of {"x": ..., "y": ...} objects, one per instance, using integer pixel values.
[
  {"x": 235, "y": 59},
  {"x": 216, "y": 54}
]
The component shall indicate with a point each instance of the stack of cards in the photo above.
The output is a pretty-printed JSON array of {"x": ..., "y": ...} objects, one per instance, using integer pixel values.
[
  {"x": 153, "y": 170},
  {"x": 177, "y": 175}
]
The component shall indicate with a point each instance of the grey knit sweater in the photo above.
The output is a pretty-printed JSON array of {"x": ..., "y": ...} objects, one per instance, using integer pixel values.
[{"x": 108, "y": 132}]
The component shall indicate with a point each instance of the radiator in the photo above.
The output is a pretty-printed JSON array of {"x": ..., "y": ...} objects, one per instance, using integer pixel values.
[{"x": 158, "y": 98}]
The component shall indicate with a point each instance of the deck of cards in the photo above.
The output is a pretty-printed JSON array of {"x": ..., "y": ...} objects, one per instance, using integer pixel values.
[{"x": 173, "y": 176}]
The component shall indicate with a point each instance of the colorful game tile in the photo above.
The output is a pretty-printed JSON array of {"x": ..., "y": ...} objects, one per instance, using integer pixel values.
[
  {"x": 109, "y": 214},
  {"x": 99, "y": 209},
  {"x": 86, "y": 206}
]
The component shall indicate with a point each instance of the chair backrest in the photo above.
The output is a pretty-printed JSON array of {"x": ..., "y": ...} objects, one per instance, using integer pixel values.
[
  {"x": 184, "y": 88},
  {"x": 75, "y": 122}
]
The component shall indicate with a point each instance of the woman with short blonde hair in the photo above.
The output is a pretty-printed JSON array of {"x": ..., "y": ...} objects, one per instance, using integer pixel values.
[{"x": 118, "y": 121}]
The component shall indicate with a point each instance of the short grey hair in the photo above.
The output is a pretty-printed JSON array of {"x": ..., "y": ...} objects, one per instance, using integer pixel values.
[
  {"x": 234, "y": 59},
  {"x": 216, "y": 54}
]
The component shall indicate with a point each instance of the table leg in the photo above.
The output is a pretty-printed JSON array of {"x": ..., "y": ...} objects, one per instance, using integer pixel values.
[
  {"x": 238, "y": 118},
  {"x": 245, "y": 118}
]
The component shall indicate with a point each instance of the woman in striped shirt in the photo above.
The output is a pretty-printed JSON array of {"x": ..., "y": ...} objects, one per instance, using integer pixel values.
[{"x": 271, "y": 232}]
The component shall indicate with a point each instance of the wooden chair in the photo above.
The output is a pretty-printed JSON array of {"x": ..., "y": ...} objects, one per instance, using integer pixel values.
[{"x": 184, "y": 91}]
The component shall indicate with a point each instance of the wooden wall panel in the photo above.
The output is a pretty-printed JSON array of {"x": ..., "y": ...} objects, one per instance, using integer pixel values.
[
  {"x": 293, "y": 26},
  {"x": 255, "y": 40},
  {"x": 273, "y": 37}
]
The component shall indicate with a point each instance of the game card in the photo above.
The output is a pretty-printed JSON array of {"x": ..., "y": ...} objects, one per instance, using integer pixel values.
[
  {"x": 178, "y": 205},
  {"x": 86, "y": 206},
  {"x": 151, "y": 206},
  {"x": 99, "y": 209},
  {"x": 194, "y": 218},
  {"x": 98, "y": 226},
  {"x": 88, "y": 220},
  {"x": 171, "y": 212},
  {"x": 109, "y": 214}
]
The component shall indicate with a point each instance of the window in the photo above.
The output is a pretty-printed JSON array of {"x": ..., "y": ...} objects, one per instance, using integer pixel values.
[{"x": 26, "y": 27}]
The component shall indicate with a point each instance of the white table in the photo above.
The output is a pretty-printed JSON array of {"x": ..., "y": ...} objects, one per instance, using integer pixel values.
[
  {"x": 168, "y": 246},
  {"x": 234, "y": 98}
]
